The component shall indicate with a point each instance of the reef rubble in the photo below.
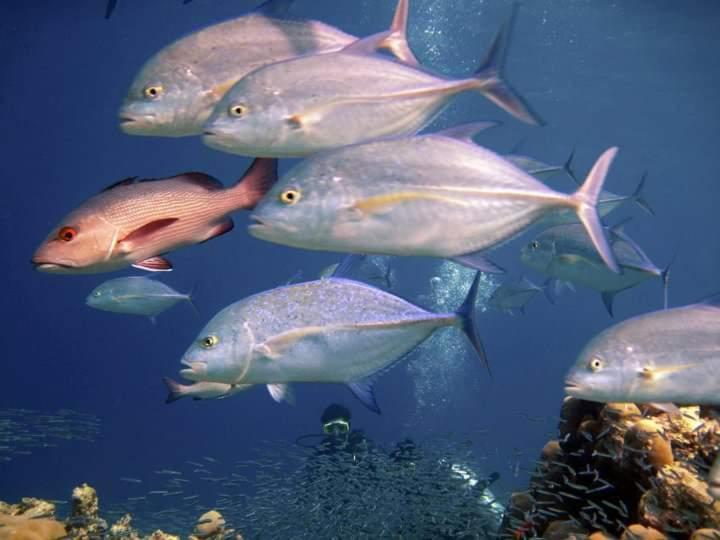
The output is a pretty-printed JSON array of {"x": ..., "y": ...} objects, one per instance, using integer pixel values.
[
  {"x": 35, "y": 519},
  {"x": 620, "y": 470}
]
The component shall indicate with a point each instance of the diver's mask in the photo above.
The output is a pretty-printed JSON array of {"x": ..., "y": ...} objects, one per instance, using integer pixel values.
[{"x": 337, "y": 427}]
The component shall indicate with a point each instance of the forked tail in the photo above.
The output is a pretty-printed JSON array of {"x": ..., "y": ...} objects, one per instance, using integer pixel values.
[{"x": 585, "y": 202}]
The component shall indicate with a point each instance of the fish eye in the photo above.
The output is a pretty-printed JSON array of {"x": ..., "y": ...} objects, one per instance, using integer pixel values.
[
  {"x": 67, "y": 234},
  {"x": 97, "y": 294},
  {"x": 151, "y": 92},
  {"x": 595, "y": 364},
  {"x": 208, "y": 342},
  {"x": 290, "y": 196},
  {"x": 534, "y": 244},
  {"x": 237, "y": 110}
]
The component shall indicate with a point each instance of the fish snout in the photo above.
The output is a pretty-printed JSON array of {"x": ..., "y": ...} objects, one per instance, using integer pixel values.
[{"x": 195, "y": 371}]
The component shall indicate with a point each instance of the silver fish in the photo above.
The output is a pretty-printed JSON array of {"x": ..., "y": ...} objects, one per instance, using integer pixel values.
[
  {"x": 135, "y": 296},
  {"x": 212, "y": 390},
  {"x": 319, "y": 102},
  {"x": 177, "y": 89},
  {"x": 331, "y": 330},
  {"x": 513, "y": 296},
  {"x": 672, "y": 355},
  {"x": 434, "y": 195},
  {"x": 566, "y": 253}
]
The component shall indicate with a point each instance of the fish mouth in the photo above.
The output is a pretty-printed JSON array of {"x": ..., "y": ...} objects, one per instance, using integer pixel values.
[
  {"x": 136, "y": 123},
  {"x": 195, "y": 371},
  {"x": 48, "y": 266},
  {"x": 574, "y": 389}
]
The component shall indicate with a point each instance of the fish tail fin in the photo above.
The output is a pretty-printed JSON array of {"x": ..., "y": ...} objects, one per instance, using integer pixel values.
[
  {"x": 665, "y": 276},
  {"x": 568, "y": 167},
  {"x": 639, "y": 198},
  {"x": 585, "y": 202},
  {"x": 489, "y": 78},
  {"x": 255, "y": 183},
  {"x": 396, "y": 41},
  {"x": 468, "y": 319},
  {"x": 174, "y": 390},
  {"x": 393, "y": 40},
  {"x": 190, "y": 297},
  {"x": 547, "y": 288}
]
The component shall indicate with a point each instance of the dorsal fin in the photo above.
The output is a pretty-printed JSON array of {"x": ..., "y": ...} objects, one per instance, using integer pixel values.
[
  {"x": 123, "y": 182},
  {"x": 200, "y": 179},
  {"x": 466, "y": 132},
  {"x": 273, "y": 8}
]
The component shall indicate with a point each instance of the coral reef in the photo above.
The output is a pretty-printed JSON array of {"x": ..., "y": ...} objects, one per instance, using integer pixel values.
[
  {"x": 621, "y": 471},
  {"x": 210, "y": 526},
  {"x": 34, "y": 519}
]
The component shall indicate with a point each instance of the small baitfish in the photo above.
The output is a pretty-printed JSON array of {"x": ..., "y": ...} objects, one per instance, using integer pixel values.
[
  {"x": 436, "y": 195},
  {"x": 667, "y": 356},
  {"x": 178, "y": 87},
  {"x": 566, "y": 253},
  {"x": 135, "y": 295},
  {"x": 512, "y": 297},
  {"x": 319, "y": 102},
  {"x": 331, "y": 330},
  {"x": 210, "y": 390},
  {"x": 135, "y": 222}
]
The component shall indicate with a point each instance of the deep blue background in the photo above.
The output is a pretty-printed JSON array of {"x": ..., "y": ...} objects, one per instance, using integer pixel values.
[{"x": 637, "y": 74}]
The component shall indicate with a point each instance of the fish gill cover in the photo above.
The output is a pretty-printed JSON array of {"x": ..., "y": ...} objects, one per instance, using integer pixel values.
[{"x": 83, "y": 398}]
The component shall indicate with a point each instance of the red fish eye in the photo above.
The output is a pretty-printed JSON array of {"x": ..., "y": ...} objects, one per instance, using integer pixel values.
[{"x": 66, "y": 234}]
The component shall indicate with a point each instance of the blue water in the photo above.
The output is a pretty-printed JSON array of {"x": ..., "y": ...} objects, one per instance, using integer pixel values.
[{"x": 640, "y": 75}]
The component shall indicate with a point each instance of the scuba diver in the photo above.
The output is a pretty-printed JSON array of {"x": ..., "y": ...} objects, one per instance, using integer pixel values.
[{"x": 338, "y": 434}]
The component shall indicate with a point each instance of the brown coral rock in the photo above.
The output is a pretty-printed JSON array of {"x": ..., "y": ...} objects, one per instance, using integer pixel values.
[
  {"x": 23, "y": 528},
  {"x": 706, "y": 534},
  {"x": 647, "y": 436},
  {"x": 638, "y": 532},
  {"x": 564, "y": 530},
  {"x": 599, "y": 535}
]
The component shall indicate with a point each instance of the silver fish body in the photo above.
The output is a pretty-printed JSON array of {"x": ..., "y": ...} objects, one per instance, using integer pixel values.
[
  {"x": 177, "y": 89},
  {"x": 428, "y": 195},
  {"x": 565, "y": 253},
  {"x": 135, "y": 295},
  {"x": 671, "y": 355},
  {"x": 319, "y": 102},
  {"x": 331, "y": 330}
]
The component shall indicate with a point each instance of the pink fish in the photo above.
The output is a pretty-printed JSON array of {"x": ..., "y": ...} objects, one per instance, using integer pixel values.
[{"x": 134, "y": 222}]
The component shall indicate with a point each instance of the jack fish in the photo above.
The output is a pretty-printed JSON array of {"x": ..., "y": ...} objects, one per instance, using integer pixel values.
[
  {"x": 331, "y": 330},
  {"x": 513, "y": 297},
  {"x": 667, "y": 356},
  {"x": 566, "y": 253},
  {"x": 176, "y": 90},
  {"x": 319, "y": 102},
  {"x": 436, "y": 195},
  {"x": 135, "y": 295},
  {"x": 134, "y": 222}
]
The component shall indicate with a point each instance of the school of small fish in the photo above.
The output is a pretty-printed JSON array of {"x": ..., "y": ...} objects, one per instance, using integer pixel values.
[{"x": 268, "y": 87}]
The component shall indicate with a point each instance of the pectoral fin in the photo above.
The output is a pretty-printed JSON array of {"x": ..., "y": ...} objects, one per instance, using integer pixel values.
[
  {"x": 144, "y": 232},
  {"x": 154, "y": 264},
  {"x": 655, "y": 372},
  {"x": 221, "y": 89},
  {"x": 275, "y": 347},
  {"x": 281, "y": 392}
]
